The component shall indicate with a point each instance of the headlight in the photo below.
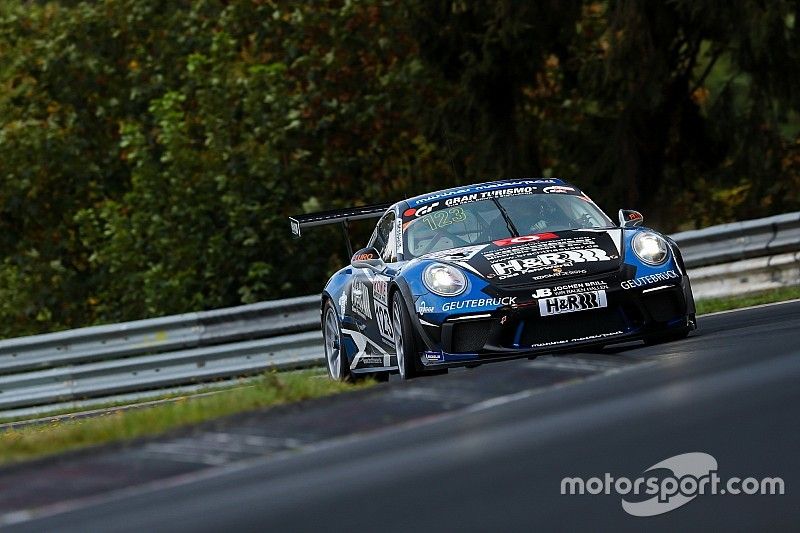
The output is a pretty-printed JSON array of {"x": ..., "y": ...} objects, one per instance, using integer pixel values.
[
  {"x": 650, "y": 248},
  {"x": 444, "y": 280}
]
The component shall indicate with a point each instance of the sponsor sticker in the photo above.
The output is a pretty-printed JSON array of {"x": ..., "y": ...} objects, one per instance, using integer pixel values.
[
  {"x": 380, "y": 289},
  {"x": 534, "y": 247},
  {"x": 477, "y": 188},
  {"x": 398, "y": 236},
  {"x": 570, "y": 288},
  {"x": 558, "y": 189},
  {"x": 424, "y": 210},
  {"x": 543, "y": 261},
  {"x": 457, "y": 254},
  {"x": 371, "y": 360},
  {"x": 571, "y": 303},
  {"x": 577, "y": 339},
  {"x": 384, "y": 322},
  {"x": 644, "y": 281},
  {"x": 526, "y": 238},
  {"x": 481, "y": 302},
  {"x": 343, "y": 302},
  {"x": 423, "y": 308},
  {"x": 484, "y": 195},
  {"x": 433, "y": 357},
  {"x": 359, "y": 295}
]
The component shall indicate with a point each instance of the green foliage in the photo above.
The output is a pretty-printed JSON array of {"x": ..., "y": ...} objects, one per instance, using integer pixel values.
[{"x": 150, "y": 152}]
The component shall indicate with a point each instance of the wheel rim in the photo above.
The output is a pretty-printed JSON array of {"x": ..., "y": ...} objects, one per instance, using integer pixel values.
[
  {"x": 398, "y": 337},
  {"x": 333, "y": 353}
]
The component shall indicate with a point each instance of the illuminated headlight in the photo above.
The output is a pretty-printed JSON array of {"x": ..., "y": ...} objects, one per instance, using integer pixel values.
[
  {"x": 444, "y": 280},
  {"x": 650, "y": 248}
]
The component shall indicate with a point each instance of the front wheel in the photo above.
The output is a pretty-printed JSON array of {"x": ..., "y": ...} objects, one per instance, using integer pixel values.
[
  {"x": 404, "y": 341},
  {"x": 332, "y": 337}
]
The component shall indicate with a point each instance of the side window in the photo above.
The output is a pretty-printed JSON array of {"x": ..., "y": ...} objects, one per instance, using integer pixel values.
[
  {"x": 385, "y": 242},
  {"x": 373, "y": 239}
]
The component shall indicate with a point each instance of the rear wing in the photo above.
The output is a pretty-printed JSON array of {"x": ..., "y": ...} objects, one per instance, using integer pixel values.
[{"x": 337, "y": 216}]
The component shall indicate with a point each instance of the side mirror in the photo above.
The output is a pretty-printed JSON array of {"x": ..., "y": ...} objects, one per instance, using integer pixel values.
[
  {"x": 629, "y": 218},
  {"x": 366, "y": 257}
]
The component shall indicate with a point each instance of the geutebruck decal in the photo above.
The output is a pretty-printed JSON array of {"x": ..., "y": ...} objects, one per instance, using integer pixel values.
[
  {"x": 649, "y": 280},
  {"x": 481, "y": 302}
]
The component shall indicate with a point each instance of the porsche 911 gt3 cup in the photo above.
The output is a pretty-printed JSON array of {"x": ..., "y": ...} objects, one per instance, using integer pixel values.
[{"x": 494, "y": 271}]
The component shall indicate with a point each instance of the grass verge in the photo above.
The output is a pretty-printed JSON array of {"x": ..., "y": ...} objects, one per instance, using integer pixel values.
[
  {"x": 63, "y": 435},
  {"x": 76, "y": 411},
  {"x": 712, "y": 305}
]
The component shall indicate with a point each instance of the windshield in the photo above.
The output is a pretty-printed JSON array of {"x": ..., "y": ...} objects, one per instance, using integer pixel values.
[{"x": 499, "y": 218}]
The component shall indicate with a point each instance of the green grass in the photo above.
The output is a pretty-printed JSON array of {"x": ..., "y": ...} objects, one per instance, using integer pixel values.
[
  {"x": 63, "y": 435},
  {"x": 73, "y": 411},
  {"x": 712, "y": 305}
]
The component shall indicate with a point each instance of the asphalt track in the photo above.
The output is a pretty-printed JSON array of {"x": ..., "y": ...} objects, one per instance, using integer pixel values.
[{"x": 477, "y": 450}]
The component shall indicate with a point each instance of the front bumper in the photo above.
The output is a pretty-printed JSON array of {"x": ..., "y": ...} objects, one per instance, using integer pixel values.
[{"x": 520, "y": 330}]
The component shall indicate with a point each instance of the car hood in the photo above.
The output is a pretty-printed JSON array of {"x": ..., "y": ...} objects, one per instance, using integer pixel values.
[{"x": 534, "y": 258}]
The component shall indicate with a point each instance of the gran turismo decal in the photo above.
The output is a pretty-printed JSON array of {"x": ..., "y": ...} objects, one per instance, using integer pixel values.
[
  {"x": 571, "y": 303},
  {"x": 516, "y": 267},
  {"x": 477, "y": 188},
  {"x": 359, "y": 296},
  {"x": 421, "y": 212},
  {"x": 481, "y": 302},
  {"x": 649, "y": 279},
  {"x": 498, "y": 193},
  {"x": 526, "y": 238}
]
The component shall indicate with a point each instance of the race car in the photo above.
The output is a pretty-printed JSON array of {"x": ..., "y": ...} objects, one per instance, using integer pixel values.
[{"x": 495, "y": 271}]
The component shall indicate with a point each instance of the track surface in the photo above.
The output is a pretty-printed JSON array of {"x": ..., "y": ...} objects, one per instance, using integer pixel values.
[{"x": 484, "y": 449}]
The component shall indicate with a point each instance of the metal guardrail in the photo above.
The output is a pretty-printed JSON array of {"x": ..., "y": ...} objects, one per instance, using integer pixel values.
[
  {"x": 162, "y": 352},
  {"x": 740, "y": 240},
  {"x": 102, "y": 361}
]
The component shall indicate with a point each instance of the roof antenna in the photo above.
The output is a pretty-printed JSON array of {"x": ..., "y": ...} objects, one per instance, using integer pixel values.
[{"x": 450, "y": 149}]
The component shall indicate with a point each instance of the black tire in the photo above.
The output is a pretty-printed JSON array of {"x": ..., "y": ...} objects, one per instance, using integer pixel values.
[
  {"x": 335, "y": 358},
  {"x": 404, "y": 341}
]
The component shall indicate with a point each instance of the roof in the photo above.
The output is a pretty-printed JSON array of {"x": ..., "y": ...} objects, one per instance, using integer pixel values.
[{"x": 479, "y": 187}]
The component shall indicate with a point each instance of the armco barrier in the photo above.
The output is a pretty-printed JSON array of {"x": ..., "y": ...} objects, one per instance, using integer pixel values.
[
  {"x": 103, "y": 361},
  {"x": 740, "y": 240}
]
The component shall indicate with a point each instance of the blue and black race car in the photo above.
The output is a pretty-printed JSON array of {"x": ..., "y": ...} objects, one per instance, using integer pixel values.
[{"x": 494, "y": 271}]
